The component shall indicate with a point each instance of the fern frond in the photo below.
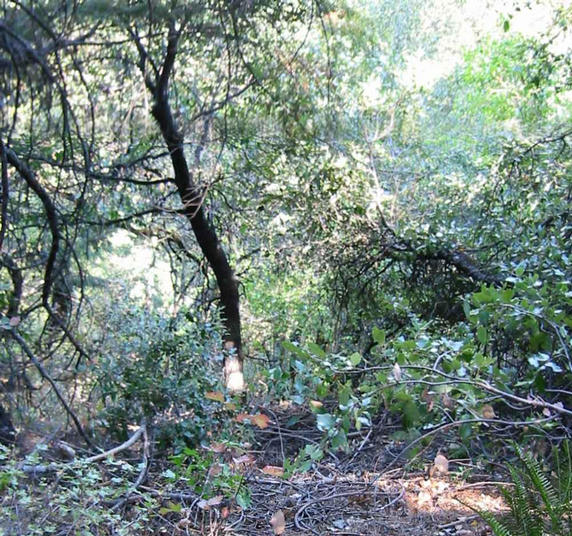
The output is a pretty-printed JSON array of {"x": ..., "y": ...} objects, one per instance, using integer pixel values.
[
  {"x": 525, "y": 519},
  {"x": 563, "y": 469},
  {"x": 497, "y": 527},
  {"x": 539, "y": 504},
  {"x": 547, "y": 492}
]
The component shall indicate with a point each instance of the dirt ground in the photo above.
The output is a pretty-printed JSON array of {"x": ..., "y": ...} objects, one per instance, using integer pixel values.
[{"x": 351, "y": 494}]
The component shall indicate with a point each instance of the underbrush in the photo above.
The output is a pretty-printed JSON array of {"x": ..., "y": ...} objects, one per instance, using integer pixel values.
[{"x": 157, "y": 369}]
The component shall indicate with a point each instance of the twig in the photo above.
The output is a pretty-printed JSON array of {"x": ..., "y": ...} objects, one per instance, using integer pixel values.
[
  {"x": 300, "y": 511},
  {"x": 463, "y": 519},
  {"x": 142, "y": 430},
  {"x": 483, "y": 485},
  {"x": 360, "y": 448},
  {"x": 276, "y": 420}
]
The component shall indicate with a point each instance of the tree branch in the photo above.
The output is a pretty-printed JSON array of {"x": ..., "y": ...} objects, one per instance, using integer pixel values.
[
  {"x": 18, "y": 338},
  {"x": 4, "y": 193},
  {"x": 51, "y": 213}
]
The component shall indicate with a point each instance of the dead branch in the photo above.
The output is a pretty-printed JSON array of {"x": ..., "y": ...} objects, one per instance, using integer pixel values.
[{"x": 53, "y": 467}]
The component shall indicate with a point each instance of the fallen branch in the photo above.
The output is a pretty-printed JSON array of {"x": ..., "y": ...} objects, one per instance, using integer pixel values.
[
  {"x": 53, "y": 467},
  {"x": 141, "y": 431},
  {"x": 536, "y": 402},
  {"x": 144, "y": 468}
]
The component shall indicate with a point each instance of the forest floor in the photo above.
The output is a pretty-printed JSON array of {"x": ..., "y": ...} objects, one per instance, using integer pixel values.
[
  {"x": 370, "y": 491},
  {"x": 375, "y": 489}
]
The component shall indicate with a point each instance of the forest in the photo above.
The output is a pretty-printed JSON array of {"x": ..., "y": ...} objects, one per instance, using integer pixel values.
[{"x": 297, "y": 267}]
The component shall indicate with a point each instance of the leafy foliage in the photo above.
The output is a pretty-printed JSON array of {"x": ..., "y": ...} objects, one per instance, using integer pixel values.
[
  {"x": 401, "y": 244},
  {"x": 160, "y": 369}
]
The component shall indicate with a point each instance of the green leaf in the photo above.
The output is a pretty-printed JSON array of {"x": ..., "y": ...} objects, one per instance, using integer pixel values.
[
  {"x": 467, "y": 309},
  {"x": 378, "y": 335},
  {"x": 340, "y": 440},
  {"x": 325, "y": 422},
  {"x": 465, "y": 431},
  {"x": 243, "y": 498},
  {"x": 171, "y": 507},
  {"x": 291, "y": 347},
  {"x": 355, "y": 359},
  {"x": 316, "y": 350},
  {"x": 482, "y": 335},
  {"x": 314, "y": 451},
  {"x": 410, "y": 414},
  {"x": 170, "y": 475},
  {"x": 344, "y": 394},
  {"x": 322, "y": 389}
]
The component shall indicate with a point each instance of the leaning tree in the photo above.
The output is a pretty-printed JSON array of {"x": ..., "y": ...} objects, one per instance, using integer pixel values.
[{"x": 118, "y": 115}]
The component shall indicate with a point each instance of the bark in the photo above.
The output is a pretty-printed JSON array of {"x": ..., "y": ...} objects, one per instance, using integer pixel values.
[
  {"x": 17, "y": 284},
  {"x": 466, "y": 265},
  {"x": 192, "y": 198}
]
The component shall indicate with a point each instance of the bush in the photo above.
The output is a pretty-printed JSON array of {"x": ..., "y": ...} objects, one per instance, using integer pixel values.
[{"x": 159, "y": 369}]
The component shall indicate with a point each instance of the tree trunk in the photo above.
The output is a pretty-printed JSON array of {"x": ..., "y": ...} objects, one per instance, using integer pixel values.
[{"x": 192, "y": 198}]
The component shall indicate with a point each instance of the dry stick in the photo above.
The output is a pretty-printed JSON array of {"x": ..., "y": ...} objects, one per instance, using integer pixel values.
[
  {"x": 482, "y": 485},
  {"x": 55, "y": 466},
  {"x": 463, "y": 519},
  {"x": 362, "y": 445},
  {"x": 144, "y": 469},
  {"x": 279, "y": 435},
  {"x": 17, "y": 337},
  {"x": 142, "y": 430}
]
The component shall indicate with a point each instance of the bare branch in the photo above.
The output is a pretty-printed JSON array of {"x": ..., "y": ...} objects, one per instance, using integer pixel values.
[
  {"x": 18, "y": 338},
  {"x": 51, "y": 214}
]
